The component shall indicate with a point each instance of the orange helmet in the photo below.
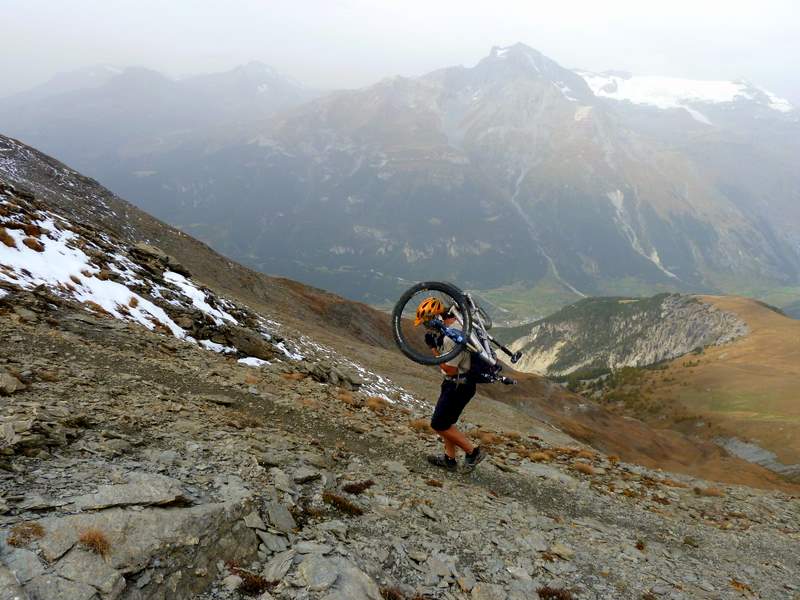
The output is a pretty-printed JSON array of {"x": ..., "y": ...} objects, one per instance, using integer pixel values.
[{"x": 429, "y": 308}]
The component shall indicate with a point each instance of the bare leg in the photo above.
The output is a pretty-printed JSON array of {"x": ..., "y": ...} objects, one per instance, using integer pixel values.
[{"x": 452, "y": 437}]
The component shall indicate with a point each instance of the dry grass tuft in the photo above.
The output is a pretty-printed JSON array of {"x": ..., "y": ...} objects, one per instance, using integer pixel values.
[
  {"x": 49, "y": 376},
  {"x": 487, "y": 438},
  {"x": 32, "y": 230},
  {"x": 587, "y": 454},
  {"x": 23, "y": 534},
  {"x": 346, "y": 397},
  {"x": 294, "y": 376},
  {"x": 672, "y": 483},
  {"x": 95, "y": 307},
  {"x": 548, "y": 593},
  {"x": 513, "y": 435},
  {"x": 33, "y": 244},
  {"x": 741, "y": 586},
  {"x": 133, "y": 302},
  {"x": 392, "y": 594},
  {"x": 253, "y": 584},
  {"x": 584, "y": 468},
  {"x": 103, "y": 274},
  {"x": 358, "y": 487},
  {"x": 95, "y": 541},
  {"x": 709, "y": 492},
  {"x": 6, "y": 238},
  {"x": 341, "y": 504},
  {"x": 76, "y": 280},
  {"x": 613, "y": 459},
  {"x": 308, "y": 403},
  {"x": 649, "y": 596},
  {"x": 421, "y": 425},
  {"x": 241, "y": 420},
  {"x": 434, "y": 483},
  {"x": 690, "y": 541},
  {"x": 540, "y": 456},
  {"x": 159, "y": 326},
  {"x": 377, "y": 404}
]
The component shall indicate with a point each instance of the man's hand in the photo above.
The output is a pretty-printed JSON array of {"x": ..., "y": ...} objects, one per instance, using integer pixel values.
[
  {"x": 432, "y": 340},
  {"x": 449, "y": 370}
]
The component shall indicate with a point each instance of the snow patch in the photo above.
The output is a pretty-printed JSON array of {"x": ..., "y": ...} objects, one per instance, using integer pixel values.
[
  {"x": 214, "y": 347},
  {"x": 565, "y": 90},
  {"x": 64, "y": 267},
  {"x": 252, "y": 361},
  {"x": 289, "y": 353},
  {"x": 617, "y": 199},
  {"x": 197, "y": 297},
  {"x": 675, "y": 92}
]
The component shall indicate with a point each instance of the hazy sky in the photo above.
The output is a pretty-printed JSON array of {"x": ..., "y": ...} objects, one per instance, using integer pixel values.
[{"x": 347, "y": 43}]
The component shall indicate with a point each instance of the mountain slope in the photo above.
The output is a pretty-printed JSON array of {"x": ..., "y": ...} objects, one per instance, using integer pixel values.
[
  {"x": 101, "y": 116},
  {"x": 598, "y": 335},
  {"x": 323, "y": 328},
  {"x": 509, "y": 175},
  {"x": 720, "y": 368},
  {"x": 745, "y": 391}
]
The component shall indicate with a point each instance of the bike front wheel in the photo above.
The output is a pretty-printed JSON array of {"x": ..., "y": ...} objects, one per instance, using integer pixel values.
[{"x": 411, "y": 339}]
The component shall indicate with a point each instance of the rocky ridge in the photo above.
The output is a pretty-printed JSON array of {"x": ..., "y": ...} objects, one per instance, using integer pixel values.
[
  {"x": 63, "y": 260},
  {"x": 602, "y": 334}
]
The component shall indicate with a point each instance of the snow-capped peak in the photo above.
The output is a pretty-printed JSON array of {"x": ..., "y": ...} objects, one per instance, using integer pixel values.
[
  {"x": 520, "y": 54},
  {"x": 675, "y": 92}
]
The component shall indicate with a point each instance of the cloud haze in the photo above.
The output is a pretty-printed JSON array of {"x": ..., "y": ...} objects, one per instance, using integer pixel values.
[{"x": 347, "y": 43}]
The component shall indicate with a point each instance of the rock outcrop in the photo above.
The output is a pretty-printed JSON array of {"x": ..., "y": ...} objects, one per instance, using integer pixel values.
[{"x": 600, "y": 334}]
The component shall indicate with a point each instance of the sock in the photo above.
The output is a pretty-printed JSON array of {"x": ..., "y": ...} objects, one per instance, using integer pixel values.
[{"x": 449, "y": 460}]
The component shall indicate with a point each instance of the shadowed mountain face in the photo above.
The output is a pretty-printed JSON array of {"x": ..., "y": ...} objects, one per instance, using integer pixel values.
[{"x": 509, "y": 173}]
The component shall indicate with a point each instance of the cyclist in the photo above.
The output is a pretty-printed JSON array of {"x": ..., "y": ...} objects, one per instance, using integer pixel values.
[{"x": 456, "y": 391}]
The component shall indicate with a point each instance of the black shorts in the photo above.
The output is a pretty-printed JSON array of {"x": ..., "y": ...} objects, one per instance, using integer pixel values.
[{"x": 452, "y": 400}]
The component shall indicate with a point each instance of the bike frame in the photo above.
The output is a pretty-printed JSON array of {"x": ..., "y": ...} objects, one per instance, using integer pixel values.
[{"x": 479, "y": 342}]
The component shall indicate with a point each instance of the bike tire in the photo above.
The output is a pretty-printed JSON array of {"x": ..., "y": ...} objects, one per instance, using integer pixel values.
[
  {"x": 487, "y": 320},
  {"x": 397, "y": 321}
]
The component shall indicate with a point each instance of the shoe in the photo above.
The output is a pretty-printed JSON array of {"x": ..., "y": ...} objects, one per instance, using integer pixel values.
[
  {"x": 443, "y": 461},
  {"x": 471, "y": 460}
]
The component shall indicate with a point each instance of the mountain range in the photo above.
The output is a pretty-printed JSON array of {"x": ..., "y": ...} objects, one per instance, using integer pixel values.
[{"x": 531, "y": 183}]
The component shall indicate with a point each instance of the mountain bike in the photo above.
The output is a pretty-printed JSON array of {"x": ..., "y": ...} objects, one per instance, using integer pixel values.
[{"x": 470, "y": 333}]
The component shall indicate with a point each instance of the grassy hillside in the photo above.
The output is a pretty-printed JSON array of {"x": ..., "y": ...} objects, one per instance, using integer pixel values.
[{"x": 746, "y": 389}]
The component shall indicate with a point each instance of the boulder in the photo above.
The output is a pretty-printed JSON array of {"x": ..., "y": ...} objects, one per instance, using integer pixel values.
[
  {"x": 280, "y": 517},
  {"x": 352, "y": 583},
  {"x": 142, "y": 489},
  {"x": 247, "y": 342},
  {"x": 9, "y": 384},
  {"x": 318, "y": 573},
  {"x": 153, "y": 256},
  {"x": 176, "y": 550},
  {"x": 82, "y": 566},
  {"x": 10, "y": 588},
  {"x": 277, "y": 568},
  {"x": 47, "y": 587}
]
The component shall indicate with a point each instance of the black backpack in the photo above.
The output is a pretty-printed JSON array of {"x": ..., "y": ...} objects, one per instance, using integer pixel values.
[{"x": 481, "y": 371}]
